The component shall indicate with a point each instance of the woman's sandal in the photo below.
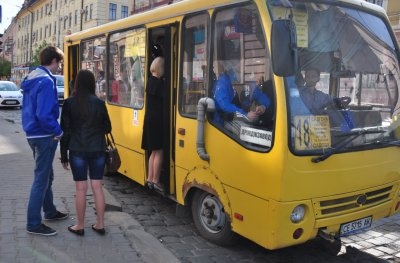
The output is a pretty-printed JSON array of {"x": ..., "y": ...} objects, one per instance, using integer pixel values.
[
  {"x": 158, "y": 187},
  {"x": 100, "y": 231},
  {"x": 79, "y": 232},
  {"x": 150, "y": 185}
]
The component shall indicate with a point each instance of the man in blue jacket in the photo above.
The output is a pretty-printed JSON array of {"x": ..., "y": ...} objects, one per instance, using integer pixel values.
[
  {"x": 40, "y": 112},
  {"x": 229, "y": 105}
]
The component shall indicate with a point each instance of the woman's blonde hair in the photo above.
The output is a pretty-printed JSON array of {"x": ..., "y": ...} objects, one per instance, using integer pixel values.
[{"x": 157, "y": 67}]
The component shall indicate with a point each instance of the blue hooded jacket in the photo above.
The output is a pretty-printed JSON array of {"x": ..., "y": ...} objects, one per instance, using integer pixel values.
[
  {"x": 224, "y": 95},
  {"x": 40, "y": 109}
]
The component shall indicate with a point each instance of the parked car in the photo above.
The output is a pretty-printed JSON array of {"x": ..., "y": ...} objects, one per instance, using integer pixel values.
[
  {"x": 10, "y": 95},
  {"x": 60, "y": 88}
]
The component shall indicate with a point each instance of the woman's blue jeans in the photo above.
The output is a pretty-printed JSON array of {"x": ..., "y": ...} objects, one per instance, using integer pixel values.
[{"x": 41, "y": 192}]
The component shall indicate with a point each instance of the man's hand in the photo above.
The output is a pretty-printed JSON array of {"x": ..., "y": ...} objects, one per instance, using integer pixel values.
[
  {"x": 65, "y": 166},
  {"x": 260, "y": 109},
  {"x": 252, "y": 116}
]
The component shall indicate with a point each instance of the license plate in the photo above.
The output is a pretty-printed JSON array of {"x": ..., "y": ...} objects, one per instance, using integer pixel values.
[
  {"x": 353, "y": 226},
  {"x": 10, "y": 102}
]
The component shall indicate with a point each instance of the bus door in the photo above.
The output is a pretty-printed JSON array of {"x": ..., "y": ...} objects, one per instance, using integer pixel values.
[
  {"x": 162, "y": 41},
  {"x": 72, "y": 62}
]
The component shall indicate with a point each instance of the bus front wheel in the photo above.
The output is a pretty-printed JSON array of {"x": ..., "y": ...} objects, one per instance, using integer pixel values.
[{"x": 211, "y": 220}]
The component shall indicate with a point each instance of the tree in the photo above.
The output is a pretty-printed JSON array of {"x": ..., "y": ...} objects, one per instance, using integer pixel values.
[
  {"x": 35, "y": 60},
  {"x": 5, "y": 67}
]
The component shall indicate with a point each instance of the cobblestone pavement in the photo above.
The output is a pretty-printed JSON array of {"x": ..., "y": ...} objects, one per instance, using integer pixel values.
[{"x": 157, "y": 215}]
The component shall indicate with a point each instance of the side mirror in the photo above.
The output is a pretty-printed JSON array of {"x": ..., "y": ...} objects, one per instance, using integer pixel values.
[{"x": 284, "y": 47}]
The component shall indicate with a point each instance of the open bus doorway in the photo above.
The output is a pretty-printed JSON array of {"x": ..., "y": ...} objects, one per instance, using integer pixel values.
[{"x": 161, "y": 42}]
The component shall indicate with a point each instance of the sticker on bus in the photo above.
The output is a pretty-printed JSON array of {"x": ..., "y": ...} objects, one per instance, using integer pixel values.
[
  {"x": 312, "y": 132},
  {"x": 256, "y": 136}
]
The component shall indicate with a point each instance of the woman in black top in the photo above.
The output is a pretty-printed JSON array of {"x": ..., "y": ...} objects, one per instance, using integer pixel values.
[
  {"x": 153, "y": 129},
  {"x": 85, "y": 121}
]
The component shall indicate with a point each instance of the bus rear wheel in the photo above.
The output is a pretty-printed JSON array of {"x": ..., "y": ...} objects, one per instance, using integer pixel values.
[{"x": 211, "y": 220}]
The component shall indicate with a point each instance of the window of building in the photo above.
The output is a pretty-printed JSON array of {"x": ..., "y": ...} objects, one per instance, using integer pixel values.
[
  {"x": 377, "y": 2},
  {"x": 76, "y": 17},
  {"x": 112, "y": 12},
  {"x": 86, "y": 13},
  {"x": 91, "y": 11},
  {"x": 124, "y": 11}
]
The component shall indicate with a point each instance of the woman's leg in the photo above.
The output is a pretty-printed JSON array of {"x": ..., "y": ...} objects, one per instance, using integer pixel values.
[
  {"x": 80, "y": 204},
  {"x": 150, "y": 176},
  {"x": 157, "y": 165},
  {"x": 79, "y": 167},
  {"x": 99, "y": 201}
]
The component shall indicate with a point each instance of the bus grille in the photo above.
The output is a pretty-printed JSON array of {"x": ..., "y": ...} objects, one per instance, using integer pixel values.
[{"x": 350, "y": 203}]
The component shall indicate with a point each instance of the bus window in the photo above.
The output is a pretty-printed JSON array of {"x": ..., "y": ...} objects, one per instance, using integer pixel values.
[
  {"x": 94, "y": 59},
  {"x": 243, "y": 89},
  {"x": 126, "y": 68},
  {"x": 194, "y": 80}
]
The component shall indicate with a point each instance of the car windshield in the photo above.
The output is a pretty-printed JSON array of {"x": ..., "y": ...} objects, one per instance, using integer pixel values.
[
  {"x": 8, "y": 86},
  {"x": 345, "y": 94},
  {"x": 60, "y": 80}
]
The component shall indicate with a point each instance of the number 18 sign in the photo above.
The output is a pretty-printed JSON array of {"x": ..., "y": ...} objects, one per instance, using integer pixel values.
[{"x": 312, "y": 132}]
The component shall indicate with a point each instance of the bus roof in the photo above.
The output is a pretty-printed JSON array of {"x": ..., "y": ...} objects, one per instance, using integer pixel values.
[{"x": 181, "y": 8}]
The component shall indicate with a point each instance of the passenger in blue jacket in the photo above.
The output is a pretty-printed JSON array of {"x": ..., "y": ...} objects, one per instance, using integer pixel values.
[
  {"x": 228, "y": 104},
  {"x": 40, "y": 112}
]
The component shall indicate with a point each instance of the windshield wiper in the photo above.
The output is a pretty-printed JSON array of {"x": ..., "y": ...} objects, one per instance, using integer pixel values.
[
  {"x": 354, "y": 134},
  {"x": 389, "y": 143}
]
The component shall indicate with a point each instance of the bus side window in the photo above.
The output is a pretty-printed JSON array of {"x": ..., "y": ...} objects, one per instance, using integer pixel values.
[
  {"x": 243, "y": 90},
  {"x": 126, "y": 68},
  {"x": 194, "y": 81}
]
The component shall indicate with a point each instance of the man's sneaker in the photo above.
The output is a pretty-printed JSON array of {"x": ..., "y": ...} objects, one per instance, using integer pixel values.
[
  {"x": 58, "y": 216},
  {"x": 42, "y": 230}
]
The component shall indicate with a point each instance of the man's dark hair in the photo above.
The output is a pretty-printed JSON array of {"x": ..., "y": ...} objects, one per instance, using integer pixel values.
[{"x": 49, "y": 53}]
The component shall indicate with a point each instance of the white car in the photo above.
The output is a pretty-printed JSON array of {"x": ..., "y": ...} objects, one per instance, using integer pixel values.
[
  {"x": 60, "y": 88},
  {"x": 10, "y": 95}
]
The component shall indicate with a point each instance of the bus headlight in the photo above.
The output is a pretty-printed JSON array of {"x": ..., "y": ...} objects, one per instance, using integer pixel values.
[{"x": 297, "y": 214}]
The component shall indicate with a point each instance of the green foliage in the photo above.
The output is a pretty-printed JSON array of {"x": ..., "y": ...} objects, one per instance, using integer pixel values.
[
  {"x": 5, "y": 67},
  {"x": 35, "y": 59}
]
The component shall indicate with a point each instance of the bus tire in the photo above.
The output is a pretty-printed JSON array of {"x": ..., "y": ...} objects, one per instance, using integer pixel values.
[{"x": 211, "y": 220}]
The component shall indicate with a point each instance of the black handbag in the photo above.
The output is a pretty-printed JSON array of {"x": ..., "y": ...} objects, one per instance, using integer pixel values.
[{"x": 113, "y": 161}]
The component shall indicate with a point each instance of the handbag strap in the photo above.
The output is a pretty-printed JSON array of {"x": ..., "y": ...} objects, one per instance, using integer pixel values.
[{"x": 109, "y": 141}]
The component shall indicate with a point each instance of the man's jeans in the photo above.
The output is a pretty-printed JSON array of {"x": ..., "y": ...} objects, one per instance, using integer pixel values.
[{"x": 41, "y": 193}]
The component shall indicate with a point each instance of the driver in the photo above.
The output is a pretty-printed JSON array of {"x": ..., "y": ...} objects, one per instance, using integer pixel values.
[{"x": 314, "y": 99}]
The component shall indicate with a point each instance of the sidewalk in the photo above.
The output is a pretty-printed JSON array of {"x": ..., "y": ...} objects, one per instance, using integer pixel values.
[{"x": 125, "y": 240}]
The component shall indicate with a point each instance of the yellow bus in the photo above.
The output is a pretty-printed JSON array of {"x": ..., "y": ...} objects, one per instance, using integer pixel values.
[{"x": 292, "y": 171}]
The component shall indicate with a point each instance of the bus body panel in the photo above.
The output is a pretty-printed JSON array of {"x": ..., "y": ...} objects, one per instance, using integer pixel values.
[
  {"x": 127, "y": 132},
  {"x": 258, "y": 189}
]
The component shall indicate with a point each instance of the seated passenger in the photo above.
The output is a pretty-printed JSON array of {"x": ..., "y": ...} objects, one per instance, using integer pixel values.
[{"x": 228, "y": 104}]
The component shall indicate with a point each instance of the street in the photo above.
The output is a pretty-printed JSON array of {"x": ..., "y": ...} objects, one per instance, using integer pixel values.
[{"x": 156, "y": 215}]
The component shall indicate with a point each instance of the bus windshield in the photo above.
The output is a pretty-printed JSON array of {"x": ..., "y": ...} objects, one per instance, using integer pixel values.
[{"x": 345, "y": 95}]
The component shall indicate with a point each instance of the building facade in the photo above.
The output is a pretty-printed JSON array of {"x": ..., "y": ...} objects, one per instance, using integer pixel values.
[{"x": 42, "y": 22}]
